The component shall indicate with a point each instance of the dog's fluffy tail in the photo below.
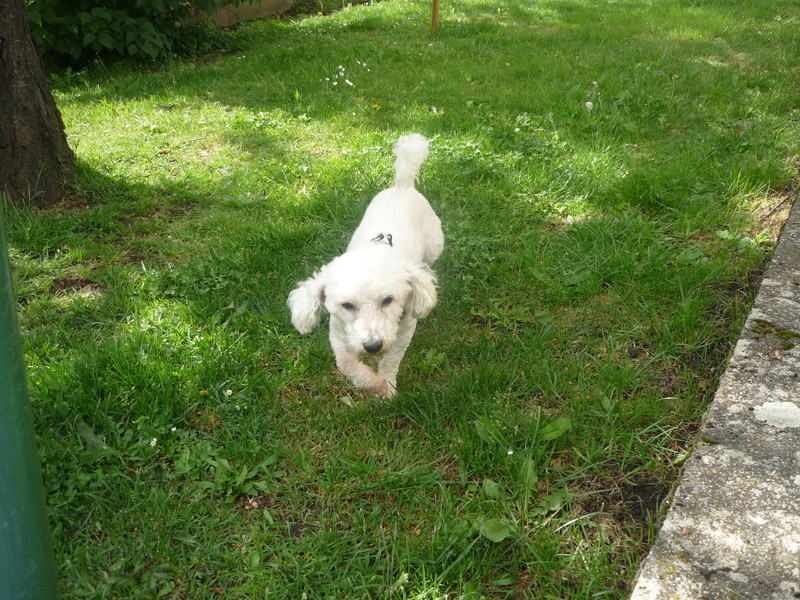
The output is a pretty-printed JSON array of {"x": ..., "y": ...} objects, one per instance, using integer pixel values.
[{"x": 411, "y": 150}]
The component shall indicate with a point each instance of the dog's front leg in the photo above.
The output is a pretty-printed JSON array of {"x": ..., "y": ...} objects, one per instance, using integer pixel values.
[
  {"x": 390, "y": 363},
  {"x": 362, "y": 376}
]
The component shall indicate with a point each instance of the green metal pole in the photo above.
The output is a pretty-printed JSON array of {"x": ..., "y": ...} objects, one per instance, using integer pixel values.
[{"x": 27, "y": 566}]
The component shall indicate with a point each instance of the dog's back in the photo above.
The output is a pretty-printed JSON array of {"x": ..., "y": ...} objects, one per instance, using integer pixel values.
[{"x": 400, "y": 216}]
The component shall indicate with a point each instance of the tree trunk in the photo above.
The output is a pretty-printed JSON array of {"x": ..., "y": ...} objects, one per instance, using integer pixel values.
[{"x": 35, "y": 159}]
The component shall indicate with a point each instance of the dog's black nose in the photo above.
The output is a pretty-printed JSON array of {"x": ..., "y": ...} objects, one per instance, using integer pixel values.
[{"x": 373, "y": 347}]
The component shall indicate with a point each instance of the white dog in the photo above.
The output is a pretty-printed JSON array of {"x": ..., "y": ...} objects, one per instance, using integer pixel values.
[{"x": 383, "y": 283}]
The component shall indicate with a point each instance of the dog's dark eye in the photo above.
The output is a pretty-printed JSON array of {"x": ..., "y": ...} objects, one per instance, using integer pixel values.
[
  {"x": 387, "y": 301},
  {"x": 348, "y": 306}
]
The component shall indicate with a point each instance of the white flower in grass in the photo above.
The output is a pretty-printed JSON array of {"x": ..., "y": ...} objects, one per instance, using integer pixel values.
[
  {"x": 229, "y": 393},
  {"x": 589, "y": 105},
  {"x": 153, "y": 442}
]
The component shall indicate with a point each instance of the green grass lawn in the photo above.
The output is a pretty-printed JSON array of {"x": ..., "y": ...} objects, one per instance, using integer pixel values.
[{"x": 610, "y": 176}]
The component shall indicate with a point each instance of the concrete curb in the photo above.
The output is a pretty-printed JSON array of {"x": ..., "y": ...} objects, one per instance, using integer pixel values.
[{"x": 732, "y": 531}]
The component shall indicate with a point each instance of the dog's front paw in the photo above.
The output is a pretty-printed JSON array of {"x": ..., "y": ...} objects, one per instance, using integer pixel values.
[
  {"x": 382, "y": 388},
  {"x": 391, "y": 390}
]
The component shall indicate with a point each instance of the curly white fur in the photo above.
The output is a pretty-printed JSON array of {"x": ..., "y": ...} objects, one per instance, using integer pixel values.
[{"x": 377, "y": 290}]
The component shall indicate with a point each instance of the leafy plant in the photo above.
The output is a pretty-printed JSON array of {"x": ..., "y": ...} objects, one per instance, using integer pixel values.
[
  {"x": 496, "y": 530},
  {"x": 744, "y": 243},
  {"x": 508, "y": 315},
  {"x": 231, "y": 480},
  {"x": 75, "y": 31}
]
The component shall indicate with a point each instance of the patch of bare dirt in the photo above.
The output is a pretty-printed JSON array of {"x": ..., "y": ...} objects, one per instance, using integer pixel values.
[{"x": 75, "y": 285}]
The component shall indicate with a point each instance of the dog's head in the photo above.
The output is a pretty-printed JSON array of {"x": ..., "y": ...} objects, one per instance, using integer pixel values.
[{"x": 368, "y": 294}]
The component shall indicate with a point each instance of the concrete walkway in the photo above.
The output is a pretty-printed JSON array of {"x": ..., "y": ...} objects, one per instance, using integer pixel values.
[{"x": 732, "y": 530}]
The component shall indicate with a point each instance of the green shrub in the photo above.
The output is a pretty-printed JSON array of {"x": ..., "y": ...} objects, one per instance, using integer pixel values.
[{"x": 74, "y": 31}]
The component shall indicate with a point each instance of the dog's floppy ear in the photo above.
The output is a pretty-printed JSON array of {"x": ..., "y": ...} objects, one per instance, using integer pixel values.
[
  {"x": 423, "y": 291},
  {"x": 306, "y": 302}
]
